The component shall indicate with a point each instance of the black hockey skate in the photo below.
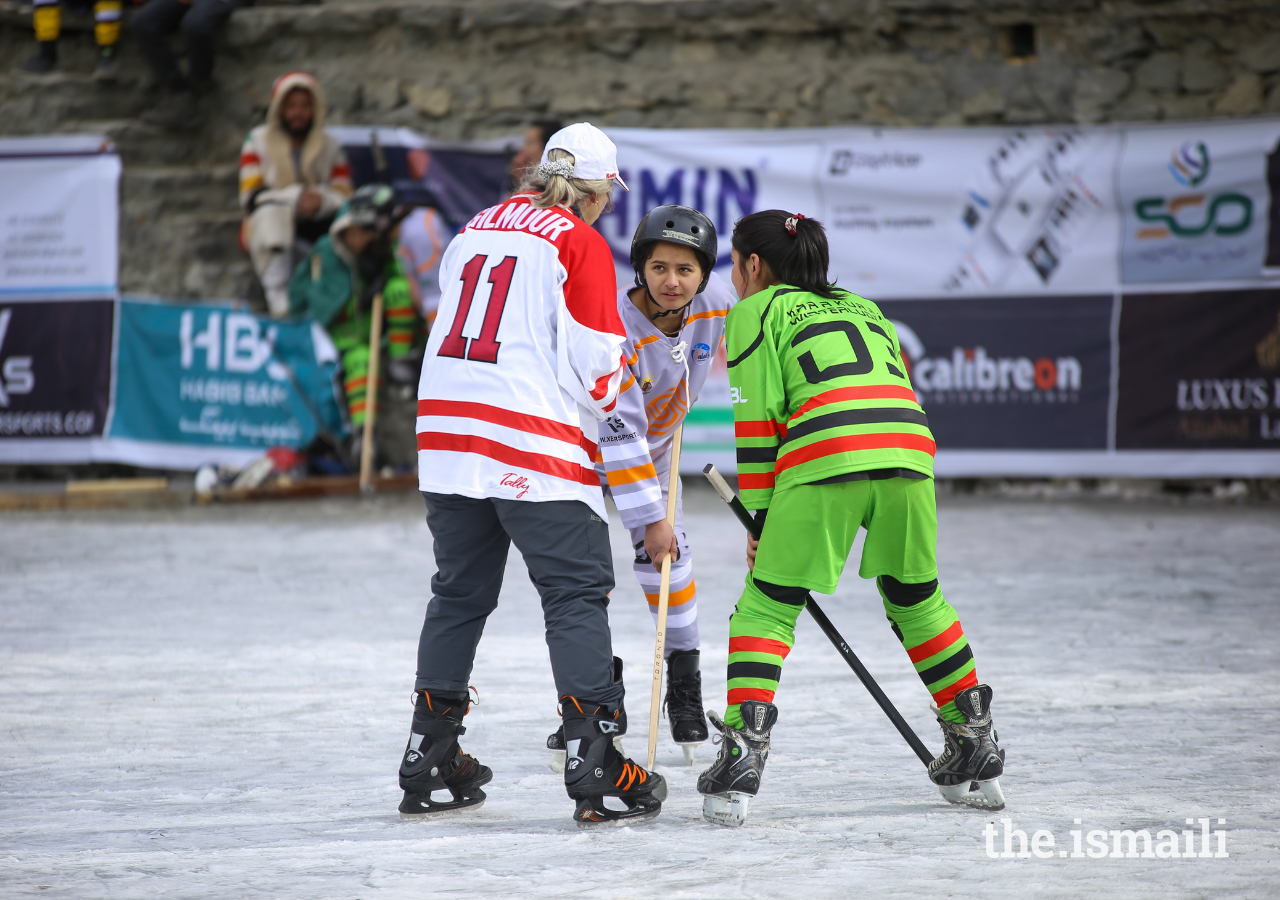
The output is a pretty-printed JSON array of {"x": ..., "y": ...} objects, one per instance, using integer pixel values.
[
  {"x": 555, "y": 743},
  {"x": 969, "y": 768},
  {"x": 433, "y": 761},
  {"x": 683, "y": 702},
  {"x": 594, "y": 769},
  {"x": 734, "y": 778},
  {"x": 555, "y": 740}
]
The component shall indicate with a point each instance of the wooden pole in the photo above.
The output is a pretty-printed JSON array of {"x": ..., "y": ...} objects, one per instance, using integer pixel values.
[
  {"x": 664, "y": 597},
  {"x": 371, "y": 397}
]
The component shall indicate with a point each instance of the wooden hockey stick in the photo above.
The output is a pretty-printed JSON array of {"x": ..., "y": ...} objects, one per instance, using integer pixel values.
[
  {"x": 664, "y": 597},
  {"x": 371, "y": 397},
  {"x": 908, "y": 734}
]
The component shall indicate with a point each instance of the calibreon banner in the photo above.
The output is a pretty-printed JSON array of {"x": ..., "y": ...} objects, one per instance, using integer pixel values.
[{"x": 1010, "y": 373}]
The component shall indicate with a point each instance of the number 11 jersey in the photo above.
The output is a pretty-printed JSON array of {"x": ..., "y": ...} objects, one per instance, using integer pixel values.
[{"x": 524, "y": 359}]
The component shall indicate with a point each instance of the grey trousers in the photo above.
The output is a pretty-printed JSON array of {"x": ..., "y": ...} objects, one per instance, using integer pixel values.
[{"x": 566, "y": 549}]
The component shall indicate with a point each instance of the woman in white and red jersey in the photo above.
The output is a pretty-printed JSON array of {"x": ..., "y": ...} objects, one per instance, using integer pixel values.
[{"x": 525, "y": 359}]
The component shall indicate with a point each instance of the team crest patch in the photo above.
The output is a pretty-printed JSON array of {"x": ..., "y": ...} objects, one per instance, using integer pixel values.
[{"x": 701, "y": 354}]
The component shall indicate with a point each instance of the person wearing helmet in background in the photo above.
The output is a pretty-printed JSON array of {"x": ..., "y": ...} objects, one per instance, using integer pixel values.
[
  {"x": 675, "y": 310},
  {"x": 336, "y": 283}
]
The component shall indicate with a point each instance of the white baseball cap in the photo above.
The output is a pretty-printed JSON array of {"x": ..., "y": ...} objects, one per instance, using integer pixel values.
[{"x": 595, "y": 156}]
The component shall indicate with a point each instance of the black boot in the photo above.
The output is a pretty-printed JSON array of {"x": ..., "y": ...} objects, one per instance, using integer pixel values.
[
  {"x": 594, "y": 769},
  {"x": 555, "y": 740},
  {"x": 969, "y": 767},
  {"x": 44, "y": 62},
  {"x": 734, "y": 778},
  {"x": 433, "y": 761},
  {"x": 683, "y": 702}
]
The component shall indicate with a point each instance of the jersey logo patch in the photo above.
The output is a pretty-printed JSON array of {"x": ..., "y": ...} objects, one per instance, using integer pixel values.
[
  {"x": 701, "y": 354},
  {"x": 518, "y": 482}
]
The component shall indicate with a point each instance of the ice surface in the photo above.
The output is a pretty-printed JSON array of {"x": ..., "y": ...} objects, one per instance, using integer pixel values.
[{"x": 212, "y": 703}]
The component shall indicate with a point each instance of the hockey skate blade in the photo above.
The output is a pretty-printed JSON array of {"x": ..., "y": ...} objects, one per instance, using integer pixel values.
[
  {"x": 729, "y": 810},
  {"x": 436, "y": 810},
  {"x": 980, "y": 794},
  {"x": 689, "y": 750}
]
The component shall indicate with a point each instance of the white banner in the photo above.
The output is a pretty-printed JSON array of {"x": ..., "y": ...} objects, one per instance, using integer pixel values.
[{"x": 59, "y": 209}]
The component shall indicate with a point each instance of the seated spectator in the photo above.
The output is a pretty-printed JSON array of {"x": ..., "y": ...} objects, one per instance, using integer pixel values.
[
  {"x": 199, "y": 21},
  {"x": 293, "y": 178},
  {"x": 47, "y": 19},
  {"x": 337, "y": 282}
]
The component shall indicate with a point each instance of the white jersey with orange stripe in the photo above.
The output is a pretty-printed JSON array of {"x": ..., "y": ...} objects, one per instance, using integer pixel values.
[
  {"x": 654, "y": 398},
  {"x": 525, "y": 359}
]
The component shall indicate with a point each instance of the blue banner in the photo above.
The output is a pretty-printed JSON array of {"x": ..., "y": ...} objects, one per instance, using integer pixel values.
[{"x": 215, "y": 376}]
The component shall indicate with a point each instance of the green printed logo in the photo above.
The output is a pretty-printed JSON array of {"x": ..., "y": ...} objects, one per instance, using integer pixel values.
[{"x": 1227, "y": 215}]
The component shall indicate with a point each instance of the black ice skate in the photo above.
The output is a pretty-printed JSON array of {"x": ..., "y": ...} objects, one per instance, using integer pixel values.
[
  {"x": 594, "y": 769},
  {"x": 683, "y": 702},
  {"x": 555, "y": 740},
  {"x": 433, "y": 761},
  {"x": 969, "y": 768},
  {"x": 734, "y": 778},
  {"x": 555, "y": 743}
]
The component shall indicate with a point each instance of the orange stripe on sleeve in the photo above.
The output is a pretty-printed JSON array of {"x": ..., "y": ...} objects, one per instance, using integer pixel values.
[{"x": 633, "y": 474}]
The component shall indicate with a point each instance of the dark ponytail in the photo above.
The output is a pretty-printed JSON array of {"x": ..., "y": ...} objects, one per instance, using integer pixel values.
[{"x": 800, "y": 258}]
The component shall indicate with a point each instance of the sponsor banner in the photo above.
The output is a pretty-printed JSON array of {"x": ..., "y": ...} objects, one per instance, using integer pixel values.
[
  {"x": 209, "y": 379},
  {"x": 1197, "y": 202},
  {"x": 974, "y": 212},
  {"x": 58, "y": 218},
  {"x": 55, "y": 372},
  {"x": 1200, "y": 371},
  {"x": 1010, "y": 373}
]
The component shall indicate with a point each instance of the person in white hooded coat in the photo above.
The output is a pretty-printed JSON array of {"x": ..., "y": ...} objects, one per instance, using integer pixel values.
[{"x": 293, "y": 178}]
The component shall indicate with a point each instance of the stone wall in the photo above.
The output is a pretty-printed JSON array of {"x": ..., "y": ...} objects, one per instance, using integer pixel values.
[{"x": 481, "y": 68}]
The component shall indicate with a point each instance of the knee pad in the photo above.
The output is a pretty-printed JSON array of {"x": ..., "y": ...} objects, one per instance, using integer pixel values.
[
  {"x": 792, "y": 596},
  {"x": 902, "y": 594}
]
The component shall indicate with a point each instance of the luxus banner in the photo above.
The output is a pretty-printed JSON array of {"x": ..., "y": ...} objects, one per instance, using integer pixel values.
[{"x": 1006, "y": 258}]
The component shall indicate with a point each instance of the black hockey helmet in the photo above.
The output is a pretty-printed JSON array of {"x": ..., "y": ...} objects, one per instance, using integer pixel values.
[
  {"x": 376, "y": 206},
  {"x": 681, "y": 225}
]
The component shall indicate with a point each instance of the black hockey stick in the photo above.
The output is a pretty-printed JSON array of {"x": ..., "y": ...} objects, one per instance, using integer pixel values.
[{"x": 728, "y": 496}]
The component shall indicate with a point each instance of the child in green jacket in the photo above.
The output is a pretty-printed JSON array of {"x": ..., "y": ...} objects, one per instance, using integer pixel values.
[{"x": 338, "y": 280}]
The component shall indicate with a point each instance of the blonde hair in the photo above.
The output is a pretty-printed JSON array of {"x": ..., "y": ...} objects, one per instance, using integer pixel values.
[{"x": 562, "y": 190}]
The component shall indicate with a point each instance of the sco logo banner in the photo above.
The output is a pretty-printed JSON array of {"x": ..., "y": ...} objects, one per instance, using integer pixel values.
[{"x": 1228, "y": 214}]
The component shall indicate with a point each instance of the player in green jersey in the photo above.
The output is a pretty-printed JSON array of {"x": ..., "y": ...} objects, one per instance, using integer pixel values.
[{"x": 831, "y": 439}]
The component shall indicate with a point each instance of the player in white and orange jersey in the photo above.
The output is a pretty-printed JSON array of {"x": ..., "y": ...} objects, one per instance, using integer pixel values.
[{"x": 674, "y": 315}]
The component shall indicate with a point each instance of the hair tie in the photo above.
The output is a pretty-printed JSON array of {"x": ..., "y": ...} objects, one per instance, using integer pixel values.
[
  {"x": 562, "y": 167},
  {"x": 791, "y": 222}
]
